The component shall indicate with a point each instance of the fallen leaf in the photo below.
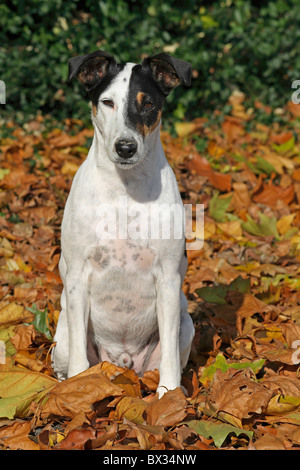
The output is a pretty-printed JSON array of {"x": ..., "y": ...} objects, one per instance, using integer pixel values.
[
  {"x": 23, "y": 336},
  {"x": 15, "y": 436},
  {"x": 234, "y": 393},
  {"x": 218, "y": 207},
  {"x": 220, "y": 363},
  {"x": 75, "y": 439},
  {"x": 79, "y": 392},
  {"x": 202, "y": 167},
  {"x": 169, "y": 410},
  {"x": 18, "y": 388},
  {"x": 132, "y": 409},
  {"x": 269, "y": 194},
  {"x": 269, "y": 442},
  {"x": 216, "y": 430},
  {"x": 12, "y": 314}
]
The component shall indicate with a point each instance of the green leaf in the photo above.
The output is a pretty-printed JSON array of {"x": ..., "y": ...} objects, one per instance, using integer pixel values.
[
  {"x": 3, "y": 172},
  {"x": 217, "y": 294},
  {"x": 264, "y": 166},
  {"x": 208, "y": 22},
  {"x": 218, "y": 207},
  {"x": 19, "y": 388},
  {"x": 267, "y": 226},
  {"x": 221, "y": 363},
  {"x": 40, "y": 321},
  {"x": 286, "y": 146},
  {"x": 217, "y": 431},
  {"x": 5, "y": 335}
]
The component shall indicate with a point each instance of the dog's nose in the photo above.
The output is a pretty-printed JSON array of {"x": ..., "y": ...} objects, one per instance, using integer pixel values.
[{"x": 126, "y": 148}]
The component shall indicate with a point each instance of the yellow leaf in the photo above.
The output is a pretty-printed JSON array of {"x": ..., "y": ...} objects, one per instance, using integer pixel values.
[
  {"x": 17, "y": 265},
  {"x": 284, "y": 224},
  {"x": 131, "y": 409},
  {"x": 232, "y": 228},
  {"x": 185, "y": 128},
  {"x": 209, "y": 229},
  {"x": 55, "y": 438},
  {"x": 248, "y": 267},
  {"x": 13, "y": 314},
  {"x": 69, "y": 168},
  {"x": 279, "y": 404}
]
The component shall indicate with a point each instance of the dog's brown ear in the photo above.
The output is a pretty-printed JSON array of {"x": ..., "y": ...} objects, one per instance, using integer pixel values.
[
  {"x": 90, "y": 68},
  {"x": 168, "y": 71}
]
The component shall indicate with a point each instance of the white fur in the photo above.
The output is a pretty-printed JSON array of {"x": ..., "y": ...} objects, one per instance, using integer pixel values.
[{"x": 115, "y": 304}]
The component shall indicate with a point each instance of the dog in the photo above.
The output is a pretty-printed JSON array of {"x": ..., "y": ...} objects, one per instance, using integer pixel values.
[{"x": 122, "y": 298}]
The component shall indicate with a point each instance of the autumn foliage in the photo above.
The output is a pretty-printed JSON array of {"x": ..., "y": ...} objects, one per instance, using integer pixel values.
[{"x": 242, "y": 384}]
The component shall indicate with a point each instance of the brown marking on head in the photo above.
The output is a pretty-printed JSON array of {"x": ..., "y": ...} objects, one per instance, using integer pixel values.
[
  {"x": 94, "y": 110},
  {"x": 139, "y": 97},
  {"x": 147, "y": 130}
]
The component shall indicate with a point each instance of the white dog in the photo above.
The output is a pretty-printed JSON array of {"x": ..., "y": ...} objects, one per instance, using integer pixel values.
[{"x": 122, "y": 299}]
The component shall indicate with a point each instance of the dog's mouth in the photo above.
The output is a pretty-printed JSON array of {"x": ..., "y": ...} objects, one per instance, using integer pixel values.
[{"x": 126, "y": 164}]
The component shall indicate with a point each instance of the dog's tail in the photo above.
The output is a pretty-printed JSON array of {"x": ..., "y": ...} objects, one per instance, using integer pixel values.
[{"x": 125, "y": 360}]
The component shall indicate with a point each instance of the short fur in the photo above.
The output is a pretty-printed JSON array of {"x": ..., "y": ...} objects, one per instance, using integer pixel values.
[{"x": 122, "y": 299}]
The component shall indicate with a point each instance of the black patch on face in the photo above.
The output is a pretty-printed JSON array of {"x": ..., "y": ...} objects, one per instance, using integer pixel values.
[
  {"x": 142, "y": 91},
  {"x": 95, "y": 90}
]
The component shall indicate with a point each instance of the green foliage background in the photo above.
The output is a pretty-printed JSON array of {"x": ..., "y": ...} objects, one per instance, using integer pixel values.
[{"x": 232, "y": 44}]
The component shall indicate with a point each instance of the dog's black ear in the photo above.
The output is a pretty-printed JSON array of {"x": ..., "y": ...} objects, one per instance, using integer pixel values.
[
  {"x": 90, "y": 68},
  {"x": 168, "y": 71}
]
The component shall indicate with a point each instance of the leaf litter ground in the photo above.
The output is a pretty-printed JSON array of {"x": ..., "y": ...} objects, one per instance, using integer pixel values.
[{"x": 242, "y": 380}]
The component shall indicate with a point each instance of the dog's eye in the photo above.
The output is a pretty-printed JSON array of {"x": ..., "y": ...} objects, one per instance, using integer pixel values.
[
  {"x": 148, "y": 105},
  {"x": 108, "y": 103}
]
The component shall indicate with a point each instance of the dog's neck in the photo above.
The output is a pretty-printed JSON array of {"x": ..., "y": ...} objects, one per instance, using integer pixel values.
[{"x": 143, "y": 181}]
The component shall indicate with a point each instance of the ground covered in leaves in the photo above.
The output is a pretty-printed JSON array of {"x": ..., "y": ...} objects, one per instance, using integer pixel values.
[{"x": 242, "y": 381}]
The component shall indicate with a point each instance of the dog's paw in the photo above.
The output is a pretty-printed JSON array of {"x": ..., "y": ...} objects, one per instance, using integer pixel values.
[{"x": 161, "y": 390}]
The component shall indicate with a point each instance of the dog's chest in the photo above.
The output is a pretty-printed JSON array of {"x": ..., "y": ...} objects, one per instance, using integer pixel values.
[
  {"x": 123, "y": 256},
  {"x": 122, "y": 280}
]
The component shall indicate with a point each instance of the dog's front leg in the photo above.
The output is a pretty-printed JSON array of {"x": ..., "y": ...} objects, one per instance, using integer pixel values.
[
  {"x": 77, "y": 307},
  {"x": 168, "y": 314}
]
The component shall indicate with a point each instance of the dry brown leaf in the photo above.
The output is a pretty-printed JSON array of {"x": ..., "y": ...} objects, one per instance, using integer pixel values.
[
  {"x": 285, "y": 385},
  {"x": 23, "y": 337},
  {"x": 269, "y": 194},
  {"x": 75, "y": 439},
  {"x": 151, "y": 379},
  {"x": 202, "y": 167},
  {"x": 234, "y": 393},
  {"x": 249, "y": 305},
  {"x": 102, "y": 437},
  {"x": 269, "y": 442},
  {"x": 169, "y": 410},
  {"x": 79, "y": 392},
  {"x": 15, "y": 437},
  {"x": 78, "y": 420}
]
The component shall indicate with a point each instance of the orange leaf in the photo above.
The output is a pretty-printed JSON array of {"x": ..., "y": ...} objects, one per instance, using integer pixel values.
[
  {"x": 16, "y": 437},
  {"x": 270, "y": 194},
  {"x": 79, "y": 392},
  {"x": 203, "y": 168},
  {"x": 169, "y": 410}
]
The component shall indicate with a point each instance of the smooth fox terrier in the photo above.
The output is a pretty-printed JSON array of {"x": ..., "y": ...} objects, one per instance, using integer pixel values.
[{"x": 122, "y": 300}]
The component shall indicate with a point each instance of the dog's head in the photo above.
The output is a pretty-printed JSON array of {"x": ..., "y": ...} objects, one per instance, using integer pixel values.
[{"x": 127, "y": 99}]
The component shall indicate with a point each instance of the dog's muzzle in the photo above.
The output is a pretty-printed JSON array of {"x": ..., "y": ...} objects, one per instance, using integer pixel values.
[{"x": 126, "y": 148}]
